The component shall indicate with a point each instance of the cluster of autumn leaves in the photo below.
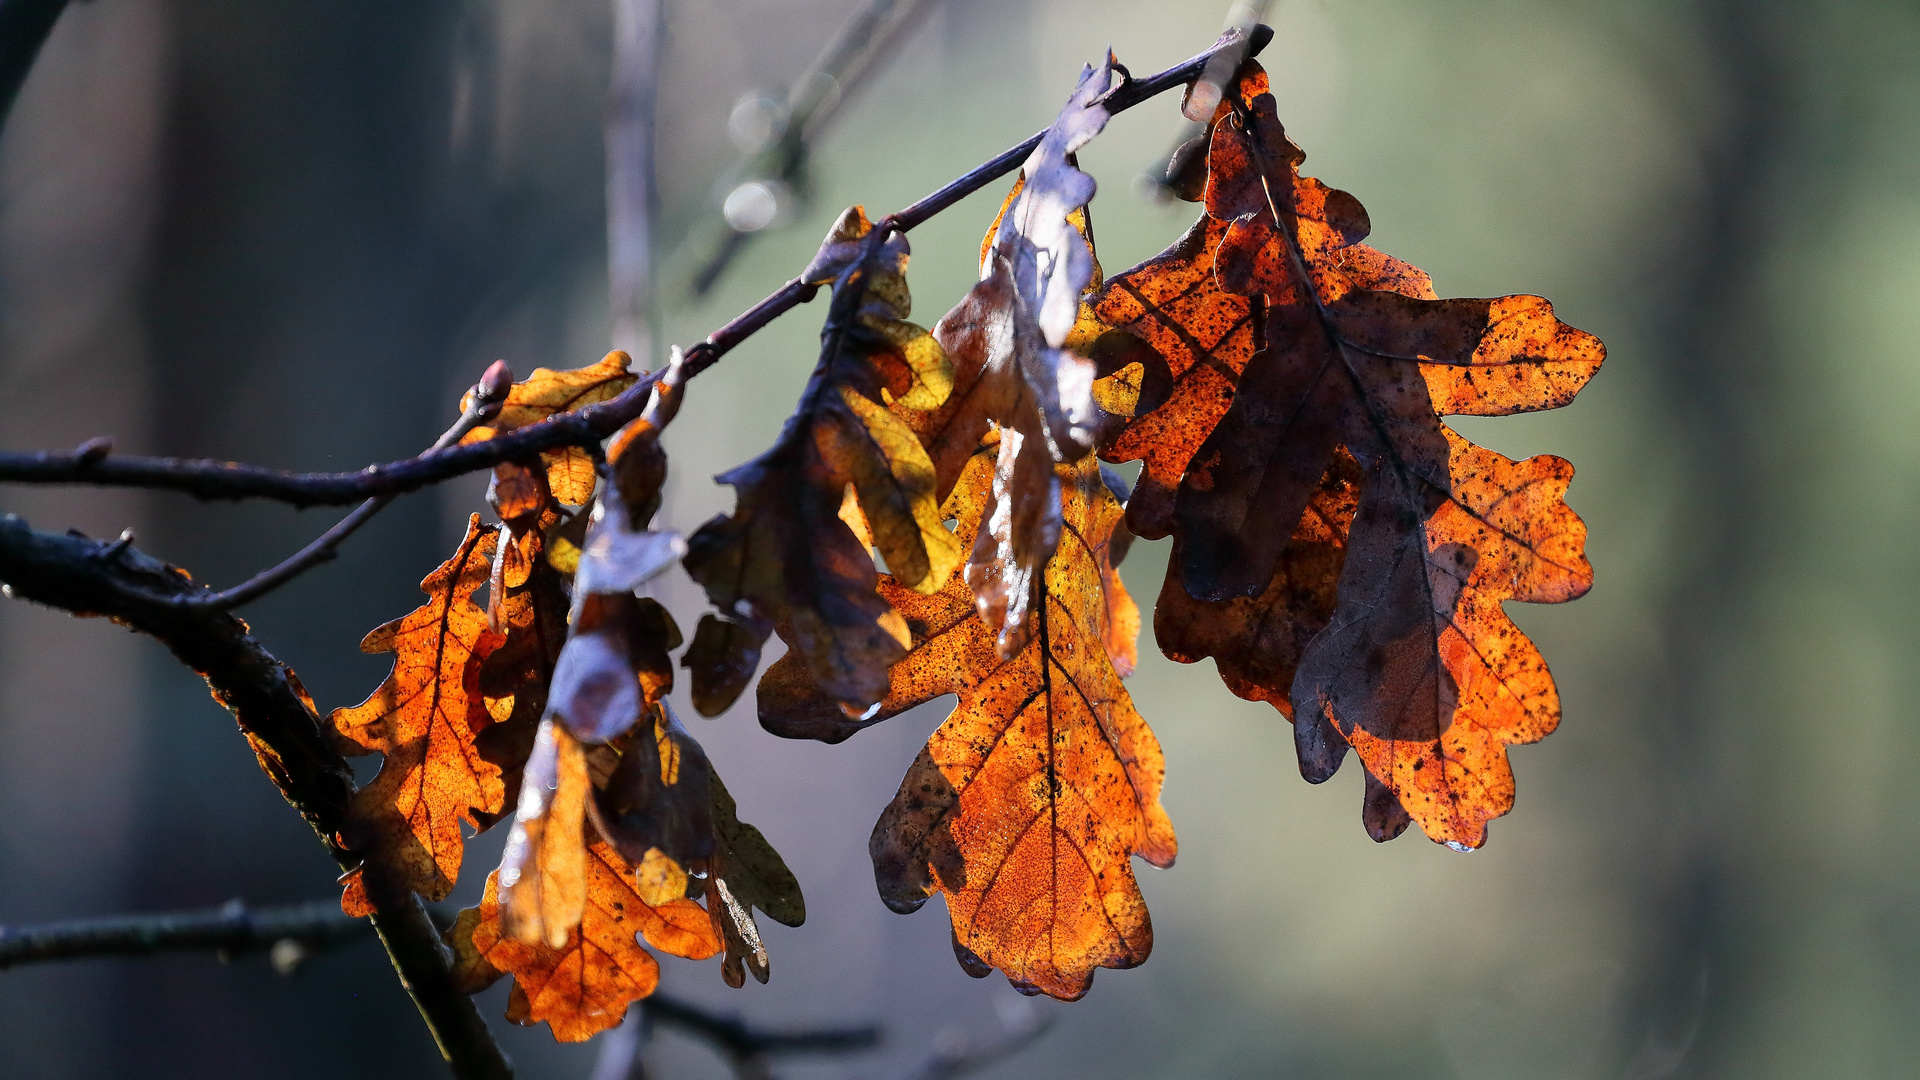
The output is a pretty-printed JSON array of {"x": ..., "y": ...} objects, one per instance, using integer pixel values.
[{"x": 1338, "y": 551}]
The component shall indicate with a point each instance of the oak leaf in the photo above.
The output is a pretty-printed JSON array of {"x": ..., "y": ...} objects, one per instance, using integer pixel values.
[
  {"x": 784, "y": 556},
  {"x": 584, "y": 985},
  {"x": 1448, "y": 680},
  {"x": 547, "y": 392},
  {"x": 1302, "y": 443},
  {"x": 1007, "y": 338},
  {"x": 542, "y": 879},
  {"x": 1026, "y": 804},
  {"x": 424, "y": 717},
  {"x": 746, "y": 873}
]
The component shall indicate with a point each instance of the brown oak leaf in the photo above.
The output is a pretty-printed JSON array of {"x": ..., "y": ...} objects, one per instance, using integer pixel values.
[
  {"x": 746, "y": 873},
  {"x": 1012, "y": 371},
  {"x": 1302, "y": 444},
  {"x": 424, "y": 718},
  {"x": 1026, "y": 804},
  {"x": 784, "y": 556},
  {"x": 1447, "y": 680}
]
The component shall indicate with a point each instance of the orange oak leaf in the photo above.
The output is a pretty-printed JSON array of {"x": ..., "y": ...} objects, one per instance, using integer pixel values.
[
  {"x": 542, "y": 880},
  {"x": 784, "y": 556},
  {"x": 1302, "y": 444},
  {"x": 1447, "y": 681},
  {"x": 546, "y": 392},
  {"x": 424, "y": 718},
  {"x": 584, "y": 985},
  {"x": 1026, "y": 804},
  {"x": 1012, "y": 371}
]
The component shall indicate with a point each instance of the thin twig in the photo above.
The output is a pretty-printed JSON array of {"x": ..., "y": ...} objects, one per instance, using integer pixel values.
[
  {"x": 210, "y": 479},
  {"x": 947, "y": 1062},
  {"x": 24, "y": 26},
  {"x": 119, "y": 581},
  {"x": 632, "y": 188},
  {"x": 732, "y": 1035},
  {"x": 232, "y": 929},
  {"x": 816, "y": 97},
  {"x": 483, "y": 403}
]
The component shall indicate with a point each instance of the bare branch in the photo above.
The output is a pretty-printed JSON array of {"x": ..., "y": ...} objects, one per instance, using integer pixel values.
[
  {"x": 292, "y": 933},
  {"x": 209, "y": 479},
  {"x": 120, "y": 582},
  {"x": 733, "y": 1037},
  {"x": 961, "y": 1057}
]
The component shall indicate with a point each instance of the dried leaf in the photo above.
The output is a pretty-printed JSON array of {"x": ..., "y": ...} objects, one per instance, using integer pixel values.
[
  {"x": 1007, "y": 339},
  {"x": 1028, "y": 801},
  {"x": 569, "y": 469},
  {"x": 585, "y": 985},
  {"x": 614, "y": 667},
  {"x": 543, "y": 872},
  {"x": 659, "y": 801},
  {"x": 515, "y": 677},
  {"x": 746, "y": 873},
  {"x": 424, "y": 718},
  {"x": 784, "y": 555},
  {"x": 1302, "y": 443},
  {"x": 1448, "y": 681}
]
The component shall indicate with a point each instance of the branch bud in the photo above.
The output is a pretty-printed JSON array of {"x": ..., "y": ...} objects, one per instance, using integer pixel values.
[
  {"x": 491, "y": 391},
  {"x": 94, "y": 450}
]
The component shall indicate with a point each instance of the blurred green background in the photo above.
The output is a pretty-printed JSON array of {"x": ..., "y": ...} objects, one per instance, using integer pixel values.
[{"x": 289, "y": 233}]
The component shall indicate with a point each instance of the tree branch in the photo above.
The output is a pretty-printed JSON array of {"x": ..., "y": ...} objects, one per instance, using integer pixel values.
[
  {"x": 734, "y": 1038},
  {"x": 118, "y": 581},
  {"x": 232, "y": 929},
  {"x": 24, "y": 26},
  {"x": 211, "y": 479}
]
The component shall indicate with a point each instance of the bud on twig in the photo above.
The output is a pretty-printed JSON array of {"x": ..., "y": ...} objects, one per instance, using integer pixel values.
[
  {"x": 94, "y": 450},
  {"x": 491, "y": 391}
]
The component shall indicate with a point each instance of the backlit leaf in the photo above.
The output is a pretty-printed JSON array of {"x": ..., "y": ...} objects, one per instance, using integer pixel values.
[
  {"x": 1025, "y": 806},
  {"x": 424, "y": 718},
  {"x": 1011, "y": 370},
  {"x": 784, "y": 555},
  {"x": 1301, "y": 445},
  {"x": 583, "y": 986}
]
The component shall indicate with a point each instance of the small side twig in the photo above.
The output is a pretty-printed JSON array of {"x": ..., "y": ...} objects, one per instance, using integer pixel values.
[
  {"x": 737, "y": 1040},
  {"x": 959, "y": 1056},
  {"x": 816, "y": 97},
  {"x": 483, "y": 404}
]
